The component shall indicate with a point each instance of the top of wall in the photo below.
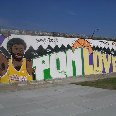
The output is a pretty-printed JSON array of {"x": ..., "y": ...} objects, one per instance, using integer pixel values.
[{"x": 50, "y": 44}]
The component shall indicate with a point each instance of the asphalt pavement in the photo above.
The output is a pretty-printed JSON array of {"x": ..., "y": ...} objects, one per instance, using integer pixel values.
[{"x": 61, "y": 100}]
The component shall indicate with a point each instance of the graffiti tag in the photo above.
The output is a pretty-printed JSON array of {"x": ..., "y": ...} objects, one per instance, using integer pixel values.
[
  {"x": 105, "y": 42},
  {"x": 50, "y": 40}
]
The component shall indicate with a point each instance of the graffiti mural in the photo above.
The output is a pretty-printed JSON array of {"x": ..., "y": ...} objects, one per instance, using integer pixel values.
[
  {"x": 15, "y": 68},
  {"x": 59, "y": 65},
  {"x": 26, "y": 57},
  {"x": 98, "y": 63}
]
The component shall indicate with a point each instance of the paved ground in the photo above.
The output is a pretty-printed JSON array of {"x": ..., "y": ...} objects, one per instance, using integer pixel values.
[{"x": 61, "y": 100}]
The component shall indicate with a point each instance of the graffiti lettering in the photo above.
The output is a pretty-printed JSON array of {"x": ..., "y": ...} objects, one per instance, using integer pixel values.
[
  {"x": 59, "y": 65},
  {"x": 102, "y": 63},
  {"x": 66, "y": 64},
  {"x": 16, "y": 78},
  {"x": 105, "y": 42},
  {"x": 41, "y": 40},
  {"x": 51, "y": 40}
]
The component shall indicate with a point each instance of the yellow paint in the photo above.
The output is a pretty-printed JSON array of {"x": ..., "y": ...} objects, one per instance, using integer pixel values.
[
  {"x": 87, "y": 68},
  {"x": 13, "y": 75},
  {"x": 94, "y": 69},
  {"x": 97, "y": 69},
  {"x": 114, "y": 63}
]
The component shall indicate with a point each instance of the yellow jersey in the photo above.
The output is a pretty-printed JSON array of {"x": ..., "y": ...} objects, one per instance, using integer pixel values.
[{"x": 12, "y": 75}]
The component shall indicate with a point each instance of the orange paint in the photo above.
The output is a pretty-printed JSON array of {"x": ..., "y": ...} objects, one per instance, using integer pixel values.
[{"x": 82, "y": 43}]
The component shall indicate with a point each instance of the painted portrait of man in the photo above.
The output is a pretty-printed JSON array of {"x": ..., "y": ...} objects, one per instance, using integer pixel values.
[{"x": 16, "y": 68}]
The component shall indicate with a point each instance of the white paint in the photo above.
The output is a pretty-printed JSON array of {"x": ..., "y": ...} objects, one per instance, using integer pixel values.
[
  {"x": 41, "y": 64},
  {"x": 44, "y": 41},
  {"x": 76, "y": 56},
  {"x": 53, "y": 41},
  {"x": 53, "y": 67},
  {"x": 65, "y": 59},
  {"x": 103, "y": 43}
]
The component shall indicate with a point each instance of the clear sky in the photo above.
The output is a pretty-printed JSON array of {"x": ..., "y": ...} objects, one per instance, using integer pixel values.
[{"x": 78, "y": 16}]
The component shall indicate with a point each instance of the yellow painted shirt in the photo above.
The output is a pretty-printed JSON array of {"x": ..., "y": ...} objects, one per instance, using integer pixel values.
[{"x": 12, "y": 75}]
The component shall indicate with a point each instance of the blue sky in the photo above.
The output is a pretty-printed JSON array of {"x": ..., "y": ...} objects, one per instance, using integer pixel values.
[{"x": 71, "y": 16}]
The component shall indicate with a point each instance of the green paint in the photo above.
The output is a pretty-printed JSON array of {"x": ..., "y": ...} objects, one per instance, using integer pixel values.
[
  {"x": 82, "y": 62},
  {"x": 74, "y": 68},
  {"x": 47, "y": 75},
  {"x": 58, "y": 63}
]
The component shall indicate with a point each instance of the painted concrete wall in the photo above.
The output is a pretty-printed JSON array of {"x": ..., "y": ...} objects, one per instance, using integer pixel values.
[{"x": 49, "y": 57}]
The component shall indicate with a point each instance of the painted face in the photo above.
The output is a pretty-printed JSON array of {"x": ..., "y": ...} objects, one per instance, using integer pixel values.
[{"x": 18, "y": 51}]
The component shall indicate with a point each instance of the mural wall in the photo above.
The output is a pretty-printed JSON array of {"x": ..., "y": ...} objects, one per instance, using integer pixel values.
[{"x": 25, "y": 57}]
